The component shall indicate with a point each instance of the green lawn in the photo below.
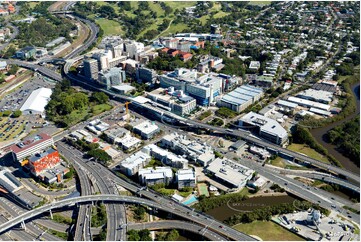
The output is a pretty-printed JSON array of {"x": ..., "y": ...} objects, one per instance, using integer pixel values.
[
  {"x": 110, "y": 27},
  {"x": 220, "y": 14},
  {"x": 260, "y": 2},
  {"x": 181, "y": 4},
  {"x": 301, "y": 148},
  {"x": 175, "y": 28},
  {"x": 268, "y": 230},
  {"x": 279, "y": 162},
  {"x": 217, "y": 9},
  {"x": 100, "y": 108},
  {"x": 33, "y": 4},
  {"x": 156, "y": 8},
  {"x": 76, "y": 116}
]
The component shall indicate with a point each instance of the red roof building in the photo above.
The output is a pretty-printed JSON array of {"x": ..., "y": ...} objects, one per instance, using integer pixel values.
[
  {"x": 41, "y": 161},
  {"x": 185, "y": 56}
]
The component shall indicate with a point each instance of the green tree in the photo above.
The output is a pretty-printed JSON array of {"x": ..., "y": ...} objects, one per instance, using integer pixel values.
[
  {"x": 99, "y": 154},
  {"x": 16, "y": 114},
  {"x": 139, "y": 212},
  {"x": 144, "y": 235},
  {"x": 81, "y": 100},
  {"x": 6, "y": 113},
  {"x": 133, "y": 235},
  {"x": 10, "y": 52},
  {"x": 100, "y": 97},
  {"x": 173, "y": 235},
  {"x": 13, "y": 69}
]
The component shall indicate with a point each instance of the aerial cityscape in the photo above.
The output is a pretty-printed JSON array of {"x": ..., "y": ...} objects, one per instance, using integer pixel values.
[{"x": 179, "y": 120}]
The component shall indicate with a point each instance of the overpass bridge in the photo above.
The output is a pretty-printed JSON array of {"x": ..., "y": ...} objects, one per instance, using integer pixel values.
[
  {"x": 122, "y": 199},
  {"x": 317, "y": 176}
]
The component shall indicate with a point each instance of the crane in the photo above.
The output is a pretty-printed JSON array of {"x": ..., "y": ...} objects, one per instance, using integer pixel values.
[{"x": 127, "y": 110}]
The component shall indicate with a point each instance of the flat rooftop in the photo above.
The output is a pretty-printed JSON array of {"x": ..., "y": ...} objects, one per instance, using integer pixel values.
[
  {"x": 29, "y": 142},
  {"x": 229, "y": 171}
]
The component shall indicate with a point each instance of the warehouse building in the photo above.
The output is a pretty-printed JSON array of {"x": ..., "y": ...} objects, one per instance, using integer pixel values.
[
  {"x": 241, "y": 98},
  {"x": 316, "y": 96},
  {"x": 320, "y": 112},
  {"x": 12, "y": 189},
  {"x": 8, "y": 181},
  {"x": 308, "y": 103},
  {"x": 266, "y": 128},
  {"x": 286, "y": 104},
  {"x": 36, "y": 102},
  {"x": 230, "y": 173}
]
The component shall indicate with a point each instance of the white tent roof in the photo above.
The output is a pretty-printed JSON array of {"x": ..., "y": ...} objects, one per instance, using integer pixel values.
[{"x": 37, "y": 100}]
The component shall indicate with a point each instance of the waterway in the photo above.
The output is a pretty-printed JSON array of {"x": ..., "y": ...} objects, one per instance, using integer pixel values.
[
  {"x": 320, "y": 135},
  {"x": 226, "y": 211}
]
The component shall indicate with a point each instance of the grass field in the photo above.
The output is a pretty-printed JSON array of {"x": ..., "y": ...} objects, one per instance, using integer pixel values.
[
  {"x": 181, "y": 4},
  {"x": 259, "y": 2},
  {"x": 175, "y": 28},
  {"x": 100, "y": 108},
  {"x": 301, "y": 148},
  {"x": 215, "y": 9},
  {"x": 279, "y": 162},
  {"x": 33, "y": 4},
  {"x": 110, "y": 27},
  {"x": 267, "y": 230}
]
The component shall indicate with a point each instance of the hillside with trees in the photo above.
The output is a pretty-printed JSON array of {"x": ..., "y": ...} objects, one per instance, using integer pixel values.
[{"x": 43, "y": 30}]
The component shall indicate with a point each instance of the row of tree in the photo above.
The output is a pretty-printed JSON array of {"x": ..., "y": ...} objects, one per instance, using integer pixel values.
[
  {"x": 266, "y": 213},
  {"x": 206, "y": 204},
  {"x": 139, "y": 235}
]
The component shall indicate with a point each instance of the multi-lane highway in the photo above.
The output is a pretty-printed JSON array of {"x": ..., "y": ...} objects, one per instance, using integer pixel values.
[
  {"x": 82, "y": 228},
  {"x": 115, "y": 212},
  {"x": 314, "y": 195}
]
